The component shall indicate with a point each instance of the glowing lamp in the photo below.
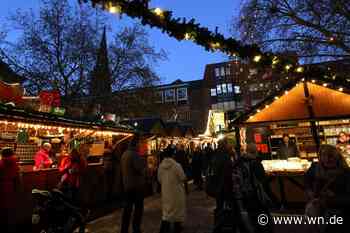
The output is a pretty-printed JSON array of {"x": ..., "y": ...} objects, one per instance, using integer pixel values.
[{"x": 257, "y": 58}]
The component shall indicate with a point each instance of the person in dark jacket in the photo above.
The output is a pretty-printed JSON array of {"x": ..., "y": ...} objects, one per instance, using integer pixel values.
[
  {"x": 220, "y": 158},
  {"x": 9, "y": 177},
  {"x": 287, "y": 149},
  {"x": 327, "y": 186},
  {"x": 133, "y": 169},
  {"x": 247, "y": 174},
  {"x": 197, "y": 168},
  {"x": 207, "y": 156},
  {"x": 181, "y": 158}
]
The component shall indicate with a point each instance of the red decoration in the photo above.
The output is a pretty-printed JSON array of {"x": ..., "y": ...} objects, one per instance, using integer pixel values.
[
  {"x": 143, "y": 149},
  {"x": 257, "y": 138},
  {"x": 264, "y": 148},
  {"x": 50, "y": 98}
]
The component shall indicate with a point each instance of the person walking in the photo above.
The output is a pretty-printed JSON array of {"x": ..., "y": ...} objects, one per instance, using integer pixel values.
[
  {"x": 181, "y": 158},
  {"x": 133, "y": 169},
  {"x": 251, "y": 200},
  {"x": 171, "y": 177},
  {"x": 9, "y": 182},
  {"x": 197, "y": 168},
  {"x": 220, "y": 158}
]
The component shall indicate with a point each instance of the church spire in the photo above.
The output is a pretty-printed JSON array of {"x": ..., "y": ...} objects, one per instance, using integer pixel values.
[{"x": 101, "y": 81}]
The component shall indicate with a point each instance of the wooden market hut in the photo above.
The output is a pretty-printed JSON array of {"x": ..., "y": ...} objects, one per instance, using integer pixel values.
[
  {"x": 314, "y": 111},
  {"x": 93, "y": 185}
]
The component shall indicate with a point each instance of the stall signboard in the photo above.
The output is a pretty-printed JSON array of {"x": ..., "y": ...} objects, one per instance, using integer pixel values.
[{"x": 58, "y": 111}]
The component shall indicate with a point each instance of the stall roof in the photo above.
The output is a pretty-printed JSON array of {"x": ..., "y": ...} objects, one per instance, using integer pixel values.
[
  {"x": 329, "y": 100},
  {"x": 12, "y": 113},
  {"x": 176, "y": 129},
  {"x": 150, "y": 125}
]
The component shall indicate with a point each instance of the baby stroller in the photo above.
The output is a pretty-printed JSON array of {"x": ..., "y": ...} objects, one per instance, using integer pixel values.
[{"x": 54, "y": 213}]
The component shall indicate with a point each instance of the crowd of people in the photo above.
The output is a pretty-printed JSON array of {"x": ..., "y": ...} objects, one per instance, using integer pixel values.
[
  {"x": 237, "y": 181},
  {"x": 240, "y": 186}
]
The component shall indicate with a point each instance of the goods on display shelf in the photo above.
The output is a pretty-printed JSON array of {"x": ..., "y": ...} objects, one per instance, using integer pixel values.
[
  {"x": 26, "y": 152},
  {"x": 290, "y": 165},
  {"x": 97, "y": 149}
]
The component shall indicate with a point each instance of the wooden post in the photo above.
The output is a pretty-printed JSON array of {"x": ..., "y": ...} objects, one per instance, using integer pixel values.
[
  {"x": 314, "y": 129},
  {"x": 238, "y": 141}
]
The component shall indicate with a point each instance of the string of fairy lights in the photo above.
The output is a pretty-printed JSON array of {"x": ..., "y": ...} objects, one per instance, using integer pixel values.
[
  {"x": 60, "y": 129},
  {"x": 183, "y": 29}
]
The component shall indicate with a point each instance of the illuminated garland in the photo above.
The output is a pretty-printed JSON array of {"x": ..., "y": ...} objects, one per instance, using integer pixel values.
[{"x": 183, "y": 29}]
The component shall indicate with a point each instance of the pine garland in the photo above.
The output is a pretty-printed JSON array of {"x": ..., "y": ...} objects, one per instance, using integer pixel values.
[{"x": 183, "y": 29}]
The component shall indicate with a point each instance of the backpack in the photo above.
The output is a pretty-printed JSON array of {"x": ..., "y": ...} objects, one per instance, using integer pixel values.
[{"x": 248, "y": 185}]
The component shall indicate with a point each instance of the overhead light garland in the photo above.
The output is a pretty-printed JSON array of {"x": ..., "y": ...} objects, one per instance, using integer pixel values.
[{"x": 183, "y": 29}]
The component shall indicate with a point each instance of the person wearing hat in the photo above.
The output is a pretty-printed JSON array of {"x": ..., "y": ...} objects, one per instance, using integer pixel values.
[
  {"x": 42, "y": 157},
  {"x": 9, "y": 174}
]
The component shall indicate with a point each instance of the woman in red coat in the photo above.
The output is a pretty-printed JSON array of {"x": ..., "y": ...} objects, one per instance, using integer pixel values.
[{"x": 9, "y": 174}]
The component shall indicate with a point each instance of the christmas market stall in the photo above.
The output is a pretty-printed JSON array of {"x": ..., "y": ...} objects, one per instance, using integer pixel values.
[
  {"x": 156, "y": 136},
  {"x": 25, "y": 131},
  {"x": 311, "y": 113}
]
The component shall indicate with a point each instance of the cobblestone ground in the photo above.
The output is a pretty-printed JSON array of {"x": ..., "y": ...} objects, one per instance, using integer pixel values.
[{"x": 199, "y": 217}]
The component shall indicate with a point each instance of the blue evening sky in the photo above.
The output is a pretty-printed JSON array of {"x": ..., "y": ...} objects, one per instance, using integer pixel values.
[{"x": 186, "y": 60}]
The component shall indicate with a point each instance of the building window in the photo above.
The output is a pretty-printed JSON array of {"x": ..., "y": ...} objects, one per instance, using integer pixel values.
[
  {"x": 159, "y": 97},
  {"x": 226, "y": 106},
  {"x": 213, "y": 91},
  {"x": 224, "y": 89},
  {"x": 217, "y": 72},
  {"x": 223, "y": 71},
  {"x": 228, "y": 70},
  {"x": 182, "y": 94},
  {"x": 229, "y": 88},
  {"x": 237, "y": 89},
  {"x": 231, "y": 105},
  {"x": 218, "y": 89},
  {"x": 169, "y": 95}
]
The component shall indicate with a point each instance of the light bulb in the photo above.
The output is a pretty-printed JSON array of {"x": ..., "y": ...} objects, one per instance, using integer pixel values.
[
  {"x": 158, "y": 11},
  {"x": 257, "y": 58}
]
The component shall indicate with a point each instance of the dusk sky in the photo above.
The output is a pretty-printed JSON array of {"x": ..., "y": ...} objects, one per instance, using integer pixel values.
[{"x": 186, "y": 60}]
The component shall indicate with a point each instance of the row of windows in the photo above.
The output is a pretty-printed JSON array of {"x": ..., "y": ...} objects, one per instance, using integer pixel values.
[
  {"x": 225, "y": 71},
  {"x": 225, "y": 88},
  {"x": 227, "y": 106},
  {"x": 221, "y": 71},
  {"x": 169, "y": 95}
]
